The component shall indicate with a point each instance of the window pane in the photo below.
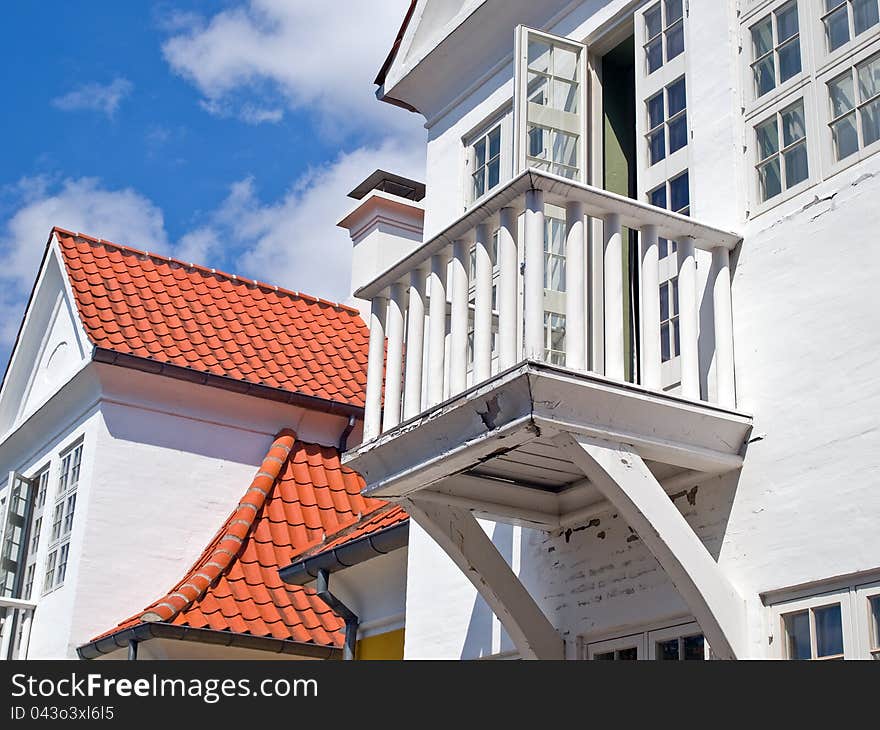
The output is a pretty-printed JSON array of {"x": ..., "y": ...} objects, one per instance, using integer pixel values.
[
  {"x": 539, "y": 56},
  {"x": 837, "y": 28},
  {"x": 869, "y": 79},
  {"x": 787, "y": 22},
  {"x": 875, "y": 622},
  {"x": 677, "y": 97},
  {"x": 793, "y": 128},
  {"x": 605, "y": 656},
  {"x": 554, "y": 241},
  {"x": 796, "y": 166},
  {"x": 843, "y": 95},
  {"x": 536, "y": 141},
  {"x": 565, "y": 63},
  {"x": 871, "y": 122},
  {"x": 654, "y": 52},
  {"x": 678, "y": 133},
  {"x": 667, "y": 650},
  {"x": 679, "y": 192},
  {"x": 538, "y": 89},
  {"x": 769, "y": 179},
  {"x": 495, "y": 142},
  {"x": 694, "y": 648},
  {"x": 765, "y": 76},
  {"x": 789, "y": 60},
  {"x": 493, "y": 173},
  {"x": 673, "y": 11},
  {"x": 846, "y": 137},
  {"x": 829, "y": 631},
  {"x": 628, "y": 655},
  {"x": 657, "y": 146},
  {"x": 565, "y": 96},
  {"x": 797, "y": 634},
  {"x": 675, "y": 41},
  {"x": 479, "y": 184},
  {"x": 674, "y": 301},
  {"x": 653, "y": 23},
  {"x": 664, "y": 302},
  {"x": 768, "y": 139},
  {"x": 658, "y": 197},
  {"x": 565, "y": 149},
  {"x": 762, "y": 38},
  {"x": 480, "y": 154},
  {"x": 676, "y": 333},
  {"x": 655, "y": 111},
  {"x": 866, "y": 13}
]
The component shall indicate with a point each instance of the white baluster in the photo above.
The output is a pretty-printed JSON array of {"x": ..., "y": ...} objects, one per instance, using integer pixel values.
[
  {"x": 508, "y": 278},
  {"x": 650, "y": 309},
  {"x": 437, "y": 328},
  {"x": 415, "y": 337},
  {"x": 613, "y": 259},
  {"x": 394, "y": 364},
  {"x": 483, "y": 304},
  {"x": 534, "y": 275},
  {"x": 575, "y": 287},
  {"x": 458, "y": 330},
  {"x": 721, "y": 294},
  {"x": 687, "y": 318},
  {"x": 375, "y": 368}
]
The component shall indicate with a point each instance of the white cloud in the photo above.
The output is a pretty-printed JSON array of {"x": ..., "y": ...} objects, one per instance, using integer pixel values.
[
  {"x": 319, "y": 56},
  {"x": 104, "y": 98}
]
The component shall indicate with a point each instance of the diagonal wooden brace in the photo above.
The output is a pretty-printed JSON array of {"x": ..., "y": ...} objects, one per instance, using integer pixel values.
[
  {"x": 627, "y": 483},
  {"x": 464, "y": 541}
]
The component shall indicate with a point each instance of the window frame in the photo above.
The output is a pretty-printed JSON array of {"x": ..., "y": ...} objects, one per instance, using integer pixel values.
[
  {"x": 643, "y": 637},
  {"x": 824, "y": 53},
  {"x": 772, "y": 12},
  {"x": 65, "y": 499},
  {"x": 778, "y": 612},
  {"x": 663, "y": 35},
  {"x": 502, "y": 118},
  {"x": 869, "y": 644}
]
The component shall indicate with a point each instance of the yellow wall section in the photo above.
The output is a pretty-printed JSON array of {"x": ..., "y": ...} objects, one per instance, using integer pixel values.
[{"x": 381, "y": 646}]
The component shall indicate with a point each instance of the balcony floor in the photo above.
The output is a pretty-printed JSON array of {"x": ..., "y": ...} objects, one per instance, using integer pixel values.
[{"x": 498, "y": 449}]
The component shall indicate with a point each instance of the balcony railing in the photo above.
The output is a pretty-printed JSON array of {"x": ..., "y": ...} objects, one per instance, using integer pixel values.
[{"x": 426, "y": 362}]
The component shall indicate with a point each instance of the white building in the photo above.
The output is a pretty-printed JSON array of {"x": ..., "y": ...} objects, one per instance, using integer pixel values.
[{"x": 638, "y": 339}]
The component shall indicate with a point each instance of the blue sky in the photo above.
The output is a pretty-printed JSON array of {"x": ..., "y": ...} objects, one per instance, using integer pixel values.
[{"x": 226, "y": 133}]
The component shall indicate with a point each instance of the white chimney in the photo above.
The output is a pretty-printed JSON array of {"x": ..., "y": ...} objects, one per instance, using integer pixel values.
[{"x": 385, "y": 226}]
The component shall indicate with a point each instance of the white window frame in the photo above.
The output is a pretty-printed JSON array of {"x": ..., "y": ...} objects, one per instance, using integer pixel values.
[
  {"x": 778, "y": 612},
  {"x": 644, "y": 638},
  {"x": 869, "y": 644},
  {"x": 631, "y": 641},
  {"x": 502, "y": 119},
  {"x": 66, "y": 490},
  {"x": 831, "y": 164},
  {"x": 824, "y": 54},
  {"x": 771, "y": 13},
  {"x": 546, "y": 117},
  {"x": 663, "y": 36}
]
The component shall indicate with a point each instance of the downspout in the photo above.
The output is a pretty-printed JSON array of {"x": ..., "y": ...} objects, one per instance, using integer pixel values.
[
  {"x": 322, "y": 586},
  {"x": 343, "y": 438},
  {"x": 132, "y": 649}
]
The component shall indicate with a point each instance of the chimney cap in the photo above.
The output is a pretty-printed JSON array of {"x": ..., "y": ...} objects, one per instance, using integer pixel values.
[{"x": 388, "y": 182}]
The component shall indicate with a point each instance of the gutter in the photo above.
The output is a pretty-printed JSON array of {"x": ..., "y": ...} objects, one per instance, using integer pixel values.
[
  {"x": 233, "y": 385},
  {"x": 125, "y": 638},
  {"x": 343, "y": 611}
]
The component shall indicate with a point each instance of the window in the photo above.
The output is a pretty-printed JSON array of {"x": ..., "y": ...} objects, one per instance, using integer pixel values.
[
  {"x": 673, "y": 195},
  {"x": 782, "y": 151},
  {"x": 667, "y": 121},
  {"x": 630, "y": 653},
  {"x": 846, "y": 19},
  {"x": 664, "y": 33},
  {"x": 776, "y": 48},
  {"x": 29, "y": 582},
  {"x": 855, "y": 108},
  {"x": 554, "y": 254},
  {"x": 670, "y": 333},
  {"x": 682, "y": 642},
  {"x": 486, "y": 161},
  {"x": 815, "y": 633},
  {"x": 682, "y": 648},
  {"x": 62, "y": 518},
  {"x": 874, "y": 642},
  {"x": 35, "y": 535},
  {"x": 554, "y": 338},
  {"x": 550, "y": 99}
]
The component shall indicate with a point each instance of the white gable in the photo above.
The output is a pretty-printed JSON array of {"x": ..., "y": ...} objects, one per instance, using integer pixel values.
[{"x": 52, "y": 345}]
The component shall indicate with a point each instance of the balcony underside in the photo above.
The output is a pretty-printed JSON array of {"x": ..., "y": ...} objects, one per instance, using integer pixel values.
[{"x": 500, "y": 449}]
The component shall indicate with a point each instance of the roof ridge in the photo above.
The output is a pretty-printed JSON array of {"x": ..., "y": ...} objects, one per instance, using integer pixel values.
[
  {"x": 235, "y": 278},
  {"x": 217, "y": 559}
]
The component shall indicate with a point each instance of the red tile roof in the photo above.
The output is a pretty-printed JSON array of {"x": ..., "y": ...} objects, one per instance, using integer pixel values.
[
  {"x": 175, "y": 313},
  {"x": 380, "y": 519},
  {"x": 300, "y": 493}
]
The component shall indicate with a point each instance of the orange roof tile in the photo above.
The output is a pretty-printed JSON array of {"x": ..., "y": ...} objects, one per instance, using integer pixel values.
[
  {"x": 300, "y": 493},
  {"x": 385, "y": 516},
  {"x": 147, "y": 306}
]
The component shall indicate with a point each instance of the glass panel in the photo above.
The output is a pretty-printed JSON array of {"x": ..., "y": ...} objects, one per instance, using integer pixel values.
[
  {"x": 667, "y": 650},
  {"x": 679, "y": 192},
  {"x": 664, "y": 302},
  {"x": 786, "y": 22},
  {"x": 657, "y": 146},
  {"x": 565, "y": 63},
  {"x": 628, "y": 655},
  {"x": 769, "y": 179},
  {"x": 664, "y": 342},
  {"x": 565, "y": 96},
  {"x": 846, "y": 137},
  {"x": 793, "y": 128},
  {"x": 869, "y": 78},
  {"x": 62, "y": 564},
  {"x": 765, "y": 76},
  {"x": 555, "y": 237},
  {"x": 694, "y": 648},
  {"x": 871, "y": 122},
  {"x": 49, "y": 579},
  {"x": 35, "y": 536},
  {"x": 789, "y": 60},
  {"x": 829, "y": 631},
  {"x": 678, "y": 133},
  {"x": 676, "y": 97},
  {"x": 762, "y": 37},
  {"x": 866, "y": 14},
  {"x": 605, "y": 656},
  {"x": 493, "y": 173},
  {"x": 674, "y": 302},
  {"x": 768, "y": 139},
  {"x": 57, "y": 516},
  {"x": 536, "y": 142},
  {"x": 843, "y": 95},
  {"x": 654, "y": 52},
  {"x": 495, "y": 142},
  {"x": 837, "y": 28},
  {"x": 797, "y": 635},
  {"x": 796, "y": 166},
  {"x": 539, "y": 55},
  {"x": 538, "y": 89},
  {"x": 676, "y": 334},
  {"x": 480, "y": 154},
  {"x": 565, "y": 149},
  {"x": 831, "y": 4},
  {"x": 655, "y": 111},
  {"x": 675, "y": 41},
  {"x": 68, "y": 515},
  {"x": 673, "y": 11},
  {"x": 653, "y": 22},
  {"x": 657, "y": 197},
  {"x": 875, "y": 622}
]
